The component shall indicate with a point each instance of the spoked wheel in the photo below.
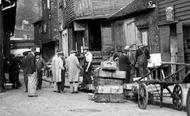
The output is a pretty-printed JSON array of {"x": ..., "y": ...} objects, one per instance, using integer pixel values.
[
  {"x": 142, "y": 96},
  {"x": 178, "y": 97},
  {"x": 188, "y": 103}
]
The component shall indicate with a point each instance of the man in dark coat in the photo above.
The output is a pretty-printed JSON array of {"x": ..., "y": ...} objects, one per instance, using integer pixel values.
[
  {"x": 31, "y": 73},
  {"x": 40, "y": 65},
  {"x": 125, "y": 65},
  {"x": 14, "y": 72},
  {"x": 24, "y": 70},
  {"x": 142, "y": 56},
  {"x": 63, "y": 74}
]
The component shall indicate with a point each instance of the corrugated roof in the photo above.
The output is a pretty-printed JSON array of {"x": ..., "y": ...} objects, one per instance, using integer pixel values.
[{"x": 133, "y": 7}]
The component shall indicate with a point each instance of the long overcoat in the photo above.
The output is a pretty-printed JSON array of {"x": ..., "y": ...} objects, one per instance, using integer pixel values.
[
  {"x": 73, "y": 67},
  {"x": 57, "y": 63}
]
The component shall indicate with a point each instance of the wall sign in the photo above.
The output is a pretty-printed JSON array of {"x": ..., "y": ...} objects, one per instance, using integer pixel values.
[
  {"x": 170, "y": 13},
  {"x": 79, "y": 26}
]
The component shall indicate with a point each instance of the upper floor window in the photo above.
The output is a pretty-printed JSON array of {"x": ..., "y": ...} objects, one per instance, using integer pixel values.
[
  {"x": 144, "y": 36},
  {"x": 45, "y": 27}
]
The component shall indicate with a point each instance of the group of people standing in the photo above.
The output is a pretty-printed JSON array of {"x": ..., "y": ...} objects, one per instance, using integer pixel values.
[
  {"x": 11, "y": 69},
  {"x": 129, "y": 61},
  {"x": 33, "y": 66},
  {"x": 72, "y": 66}
]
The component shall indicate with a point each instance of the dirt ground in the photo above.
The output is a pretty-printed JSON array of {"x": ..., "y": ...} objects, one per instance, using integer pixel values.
[{"x": 48, "y": 103}]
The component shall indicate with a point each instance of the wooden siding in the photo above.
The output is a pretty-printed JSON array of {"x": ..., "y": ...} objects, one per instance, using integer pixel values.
[
  {"x": 181, "y": 9},
  {"x": 107, "y": 43},
  {"x": 83, "y": 8},
  {"x": 107, "y": 7},
  {"x": 118, "y": 35},
  {"x": 89, "y": 9},
  {"x": 69, "y": 12}
]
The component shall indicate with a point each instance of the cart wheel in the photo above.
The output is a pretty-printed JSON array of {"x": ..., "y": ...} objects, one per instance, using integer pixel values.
[
  {"x": 142, "y": 96},
  {"x": 178, "y": 97},
  {"x": 188, "y": 103}
]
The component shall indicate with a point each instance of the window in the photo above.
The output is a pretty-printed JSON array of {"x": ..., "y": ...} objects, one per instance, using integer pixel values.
[
  {"x": 45, "y": 27},
  {"x": 40, "y": 29},
  {"x": 144, "y": 36}
]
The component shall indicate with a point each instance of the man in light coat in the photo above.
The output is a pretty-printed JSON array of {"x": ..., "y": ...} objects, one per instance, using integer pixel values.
[
  {"x": 57, "y": 67},
  {"x": 73, "y": 67}
]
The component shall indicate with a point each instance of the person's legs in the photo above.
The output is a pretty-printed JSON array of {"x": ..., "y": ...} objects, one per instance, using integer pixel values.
[
  {"x": 26, "y": 81},
  {"x": 17, "y": 83},
  {"x": 71, "y": 87},
  {"x": 62, "y": 80},
  {"x": 39, "y": 77},
  {"x": 32, "y": 85},
  {"x": 58, "y": 87},
  {"x": 11, "y": 78},
  {"x": 141, "y": 70},
  {"x": 84, "y": 81},
  {"x": 75, "y": 87},
  {"x": 89, "y": 80}
]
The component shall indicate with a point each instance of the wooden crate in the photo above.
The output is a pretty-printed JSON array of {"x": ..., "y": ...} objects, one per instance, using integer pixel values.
[
  {"x": 109, "y": 89},
  {"x": 108, "y": 98},
  {"x": 111, "y": 74},
  {"x": 107, "y": 81},
  {"x": 109, "y": 86}
]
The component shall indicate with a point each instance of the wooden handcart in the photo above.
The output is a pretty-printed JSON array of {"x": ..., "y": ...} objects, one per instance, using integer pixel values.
[
  {"x": 188, "y": 103},
  {"x": 162, "y": 82}
]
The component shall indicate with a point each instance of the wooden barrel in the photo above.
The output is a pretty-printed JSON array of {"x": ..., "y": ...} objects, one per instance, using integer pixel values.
[{"x": 109, "y": 86}]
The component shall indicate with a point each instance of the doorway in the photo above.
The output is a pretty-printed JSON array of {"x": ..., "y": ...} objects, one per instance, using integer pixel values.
[
  {"x": 186, "y": 36},
  {"x": 95, "y": 43}
]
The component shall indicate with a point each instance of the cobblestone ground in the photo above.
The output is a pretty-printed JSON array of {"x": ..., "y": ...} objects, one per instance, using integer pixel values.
[{"x": 49, "y": 103}]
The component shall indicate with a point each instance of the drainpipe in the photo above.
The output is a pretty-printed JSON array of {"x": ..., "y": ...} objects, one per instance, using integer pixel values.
[{"x": 1, "y": 47}]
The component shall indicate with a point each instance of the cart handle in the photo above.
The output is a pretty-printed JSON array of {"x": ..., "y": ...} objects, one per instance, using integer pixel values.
[{"x": 174, "y": 63}]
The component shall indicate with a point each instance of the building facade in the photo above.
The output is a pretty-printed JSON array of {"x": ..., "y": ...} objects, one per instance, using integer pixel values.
[
  {"x": 46, "y": 29},
  {"x": 174, "y": 21},
  {"x": 7, "y": 25},
  {"x": 86, "y": 23},
  {"x": 136, "y": 24}
]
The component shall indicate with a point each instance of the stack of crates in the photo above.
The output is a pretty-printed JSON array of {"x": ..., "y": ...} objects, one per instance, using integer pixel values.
[{"x": 109, "y": 86}]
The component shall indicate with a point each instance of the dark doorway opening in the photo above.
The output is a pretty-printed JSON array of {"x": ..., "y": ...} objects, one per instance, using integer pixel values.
[
  {"x": 186, "y": 36},
  {"x": 79, "y": 38},
  {"x": 95, "y": 43}
]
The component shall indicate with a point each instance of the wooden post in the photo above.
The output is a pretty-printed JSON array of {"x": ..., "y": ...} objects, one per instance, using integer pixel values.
[{"x": 1, "y": 48}]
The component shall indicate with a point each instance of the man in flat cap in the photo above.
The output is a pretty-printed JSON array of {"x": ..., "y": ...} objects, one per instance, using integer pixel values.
[
  {"x": 87, "y": 81},
  {"x": 40, "y": 66},
  {"x": 73, "y": 67},
  {"x": 125, "y": 64},
  {"x": 142, "y": 56}
]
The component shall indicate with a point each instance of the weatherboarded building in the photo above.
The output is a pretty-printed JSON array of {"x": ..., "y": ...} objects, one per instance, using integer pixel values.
[
  {"x": 174, "y": 25},
  {"x": 86, "y": 23},
  {"x": 135, "y": 24}
]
